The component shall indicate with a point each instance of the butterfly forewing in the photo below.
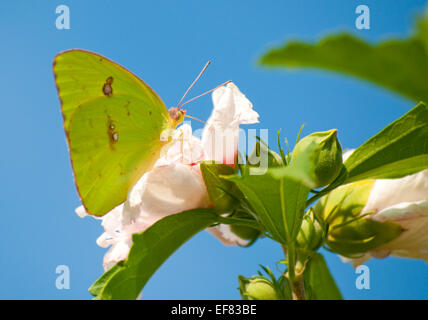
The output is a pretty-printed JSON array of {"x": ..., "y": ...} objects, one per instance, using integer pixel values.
[
  {"x": 82, "y": 75},
  {"x": 113, "y": 123}
]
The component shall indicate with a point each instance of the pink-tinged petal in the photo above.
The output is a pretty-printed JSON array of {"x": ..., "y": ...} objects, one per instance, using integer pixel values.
[
  {"x": 81, "y": 212},
  {"x": 402, "y": 212},
  {"x": 220, "y": 135},
  {"x": 412, "y": 242},
  {"x": 223, "y": 233},
  {"x": 389, "y": 192},
  {"x": 165, "y": 190},
  {"x": 117, "y": 252},
  {"x": 112, "y": 227},
  {"x": 185, "y": 148},
  {"x": 413, "y": 218},
  {"x": 231, "y": 107},
  {"x": 221, "y": 146}
]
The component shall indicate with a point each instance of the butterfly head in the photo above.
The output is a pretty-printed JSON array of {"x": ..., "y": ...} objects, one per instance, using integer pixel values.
[{"x": 176, "y": 116}]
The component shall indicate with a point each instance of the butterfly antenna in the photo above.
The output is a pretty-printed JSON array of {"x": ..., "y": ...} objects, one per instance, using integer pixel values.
[
  {"x": 187, "y": 116},
  {"x": 193, "y": 83},
  {"x": 223, "y": 84}
]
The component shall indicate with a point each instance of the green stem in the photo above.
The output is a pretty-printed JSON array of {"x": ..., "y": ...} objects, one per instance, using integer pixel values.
[
  {"x": 296, "y": 281},
  {"x": 314, "y": 198},
  {"x": 290, "y": 255},
  {"x": 240, "y": 222}
]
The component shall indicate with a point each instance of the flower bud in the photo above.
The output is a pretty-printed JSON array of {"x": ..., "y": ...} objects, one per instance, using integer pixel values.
[
  {"x": 352, "y": 229},
  {"x": 244, "y": 232},
  {"x": 256, "y": 288},
  {"x": 326, "y": 154},
  {"x": 311, "y": 234}
]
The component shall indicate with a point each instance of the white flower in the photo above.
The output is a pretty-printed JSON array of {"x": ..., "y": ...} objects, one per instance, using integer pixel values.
[
  {"x": 403, "y": 201},
  {"x": 175, "y": 183},
  {"x": 220, "y": 135}
]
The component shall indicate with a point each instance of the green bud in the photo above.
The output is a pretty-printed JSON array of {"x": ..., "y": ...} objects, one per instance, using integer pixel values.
[
  {"x": 344, "y": 203},
  {"x": 256, "y": 288},
  {"x": 351, "y": 233},
  {"x": 311, "y": 234},
  {"x": 361, "y": 235},
  {"x": 326, "y": 154},
  {"x": 244, "y": 232},
  {"x": 260, "y": 151}
]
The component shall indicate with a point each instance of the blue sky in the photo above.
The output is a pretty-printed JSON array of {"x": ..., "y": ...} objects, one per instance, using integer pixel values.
[{"x": 166, "y": 43}]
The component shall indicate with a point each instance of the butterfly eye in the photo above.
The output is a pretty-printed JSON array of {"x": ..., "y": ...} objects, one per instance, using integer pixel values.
[{"x": 180, "y": 116}]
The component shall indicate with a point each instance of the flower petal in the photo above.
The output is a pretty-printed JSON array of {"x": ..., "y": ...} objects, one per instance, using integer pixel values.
[
  {"x": 185, "y": 148},
  {"x": 220, "y": 135},
  {"x": 116, "y": 253},
  {"x": 412, "y": 242},
  {"x": 389, "y": 192},
  {"x": 165, "y": 190},
  {"x": 81, "y": 212},
  {"x": 223, "y": 233}
]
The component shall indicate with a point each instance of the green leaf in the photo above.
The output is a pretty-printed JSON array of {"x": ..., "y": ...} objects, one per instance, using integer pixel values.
[
  {"x": 319, "y": 282},
  {"x": 149, "y": 250},
  {"x": 98, "y": 285},
  {"x": 398, "y": 150},
  {"x": 278, "y": 203},
  {"x": 422, "y": 29},
  {"x": 223, "y": 193},
  {"x": 399, "y": 65}
]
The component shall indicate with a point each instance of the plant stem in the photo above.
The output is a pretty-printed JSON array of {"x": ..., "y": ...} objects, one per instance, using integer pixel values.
[
  {"x": 290, "y": 255},
  {"x": 296, "y": 281},
  {"x": 240, "y": 222},
  {"x": 298, "y": 289}
]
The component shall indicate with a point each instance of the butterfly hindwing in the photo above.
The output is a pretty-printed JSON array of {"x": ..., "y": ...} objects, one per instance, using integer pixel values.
[{"x": 112, "y": 143}]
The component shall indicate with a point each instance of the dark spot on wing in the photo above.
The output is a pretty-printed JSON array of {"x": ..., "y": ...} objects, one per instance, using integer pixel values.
[
  {"x": 122, "y": 172},
  {"x": 112, "y": 133},
  {"x": 128, "y": 112},
  {"x": 107, "y": 87}
]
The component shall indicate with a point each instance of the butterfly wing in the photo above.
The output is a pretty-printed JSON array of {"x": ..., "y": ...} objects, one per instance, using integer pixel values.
[
  {"x": 81, "y": 75},
  {"x": 113, "y": 127}
]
